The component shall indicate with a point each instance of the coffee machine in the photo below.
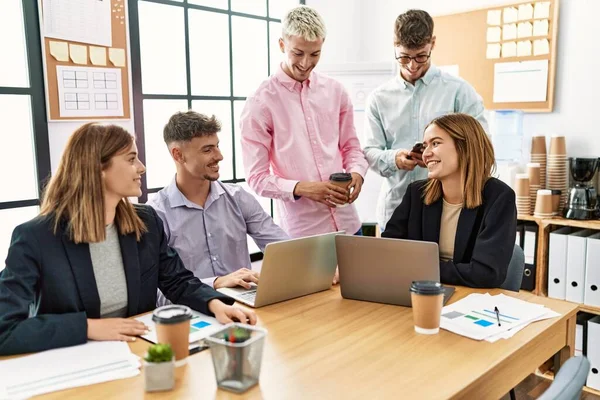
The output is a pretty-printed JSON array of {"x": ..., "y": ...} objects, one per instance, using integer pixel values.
[{"x": 583, "y": 198}]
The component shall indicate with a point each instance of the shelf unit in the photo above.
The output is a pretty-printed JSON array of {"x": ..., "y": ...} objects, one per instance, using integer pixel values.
[{"x": 547, "y": 225}]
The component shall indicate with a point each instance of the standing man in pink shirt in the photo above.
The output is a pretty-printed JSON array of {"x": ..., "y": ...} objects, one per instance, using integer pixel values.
[{"x": 297, "y": 130}]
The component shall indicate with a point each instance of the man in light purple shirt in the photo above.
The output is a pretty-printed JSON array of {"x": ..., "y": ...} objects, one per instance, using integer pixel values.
[{"x": 205, "y": 220}]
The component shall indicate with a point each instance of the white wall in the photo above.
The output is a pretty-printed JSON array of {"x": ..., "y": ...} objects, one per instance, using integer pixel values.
[{"x": 578, "y": 61}]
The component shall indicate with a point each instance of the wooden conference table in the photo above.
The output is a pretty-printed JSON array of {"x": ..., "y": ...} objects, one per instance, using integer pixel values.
[{"x": 324, "y": 347}]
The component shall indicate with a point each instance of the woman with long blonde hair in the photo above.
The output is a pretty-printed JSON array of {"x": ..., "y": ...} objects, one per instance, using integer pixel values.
[
  {"x": 92, "y": 258},
  {"x": 461, "y": 206}
]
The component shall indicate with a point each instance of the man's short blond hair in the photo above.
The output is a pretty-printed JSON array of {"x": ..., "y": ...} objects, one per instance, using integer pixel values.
[{"x": 305, "y": 22}]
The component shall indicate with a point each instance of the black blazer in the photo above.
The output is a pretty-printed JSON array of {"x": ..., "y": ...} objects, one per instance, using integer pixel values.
[
  {"x": 48, "y": 289},
  {"x": 485, "y": 235}
]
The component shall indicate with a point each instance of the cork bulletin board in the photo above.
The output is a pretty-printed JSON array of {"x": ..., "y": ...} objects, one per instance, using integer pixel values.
[
  {"x": 85, "y": 59},
  {"x": 507, "y": 53}
]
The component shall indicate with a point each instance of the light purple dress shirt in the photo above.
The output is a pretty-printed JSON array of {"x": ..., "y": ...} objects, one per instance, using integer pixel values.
[{"x": 211, "y": 240}]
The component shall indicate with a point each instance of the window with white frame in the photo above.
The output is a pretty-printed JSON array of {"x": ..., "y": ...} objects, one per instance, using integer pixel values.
[
  {"x": 204, "y": 55},
  {"x": 24, "y": 151}
]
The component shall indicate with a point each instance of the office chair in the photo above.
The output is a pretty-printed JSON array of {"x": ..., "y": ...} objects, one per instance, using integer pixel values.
[
  {"x": 569, "y": 380},
  {"x": 514, "y": 275}
]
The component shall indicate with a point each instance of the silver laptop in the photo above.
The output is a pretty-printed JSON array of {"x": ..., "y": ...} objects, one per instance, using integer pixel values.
[
  {"x": 291, "y": 268},
  {"x": 381, "y": 270}
]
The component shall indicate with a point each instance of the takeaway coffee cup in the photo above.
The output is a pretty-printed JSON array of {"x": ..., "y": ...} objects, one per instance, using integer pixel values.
[
  {"x": 427, "y": 298},
  {"x": 173, "y": 327},
  {"x": 341, "y": 179}
]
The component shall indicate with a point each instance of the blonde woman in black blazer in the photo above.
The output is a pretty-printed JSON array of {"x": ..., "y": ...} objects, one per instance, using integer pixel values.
[
  {"x": 470, "y": 214},
  {"x": 49, "y": 295}
]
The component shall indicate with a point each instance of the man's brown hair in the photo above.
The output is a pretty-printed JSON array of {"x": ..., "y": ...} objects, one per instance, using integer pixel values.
[{"x": 413, "y": 29}]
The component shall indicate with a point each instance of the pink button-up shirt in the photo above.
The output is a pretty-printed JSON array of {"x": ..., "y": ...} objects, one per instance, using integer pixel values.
[{"x": 293, "y": 132}]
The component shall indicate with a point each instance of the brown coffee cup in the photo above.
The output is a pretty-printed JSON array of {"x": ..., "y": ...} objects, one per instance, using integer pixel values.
[
  {"x": 173, "y": 327},
  {"x": 343, "y": 180},
  {"x": 558, "y": 145},
  {"x": 538, "y": 145},
  {"x": 543, "y": 202},
  {"x": 555, "y": 200},
  {"x": 522, "y": 185},
  {"x": 427, "y": 298},
  {"x": 533, "y": 170}
]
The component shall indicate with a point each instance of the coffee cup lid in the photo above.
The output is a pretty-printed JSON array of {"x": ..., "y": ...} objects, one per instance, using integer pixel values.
[
  {"x": 171, "y": 314},
  {"x": 340, "y": 177},
  {"x": 427, "y": 287}
]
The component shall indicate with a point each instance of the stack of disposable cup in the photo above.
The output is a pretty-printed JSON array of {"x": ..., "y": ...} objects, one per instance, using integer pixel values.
[
  {"x": 538, "y": 155},
  {"x": 533, "y": 171},
  {"x": 523, "y": 195},
  {"x": 557, "y": 170}
]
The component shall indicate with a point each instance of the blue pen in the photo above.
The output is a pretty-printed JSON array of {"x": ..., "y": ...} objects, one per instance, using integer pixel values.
[{"x": 497, "y": 315}]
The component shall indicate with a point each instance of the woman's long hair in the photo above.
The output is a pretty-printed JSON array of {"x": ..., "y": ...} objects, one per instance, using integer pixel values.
[
  {"x": 75, "y": 194},
  {"x": 475, "y": 158}
]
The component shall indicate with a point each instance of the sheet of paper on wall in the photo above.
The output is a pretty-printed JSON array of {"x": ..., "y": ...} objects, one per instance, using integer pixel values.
[
  {"x": 525, "y": 11},
  {"x": 509, "y": 49},
  {"x": 98, "y": 55},
  {"x": 59, "y": 50},
  {"x": 117, "y": 56},
  {"x": 541, "y": 9},
  {"x": 494, "y": 17},
  {"x": 78, "y": 53},
  {"x": 524, "y": 81},
  {"x": 524, "y": 29},
  {"x": 88, "y": 92},
  {"x": 509, "y": 32},
  {"x": 450, "y": 69},
  {"x": 541, "y": 47},
  {"x": 540, "y": 27},
  {"x": 494, "y": 34},
  {"x": 524, "y": 48},
  {"x": 510, "y": 15},
  {"x": 493, "y": 50},
  {"x": 84, "y": 21}
]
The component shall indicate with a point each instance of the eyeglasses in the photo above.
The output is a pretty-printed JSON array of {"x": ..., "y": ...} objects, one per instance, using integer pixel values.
[{"x": 420, "y": 59}]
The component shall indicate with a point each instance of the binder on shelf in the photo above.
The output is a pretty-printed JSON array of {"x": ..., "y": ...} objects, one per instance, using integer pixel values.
[
  {"x": 557, "y": 262},
  {"x": 592, "y": 271},
  {"x": 529, "y": 244},
  {"x": 576, "y": 254},
  {"x": 581, "y": 332},
  {"x": 593, "y": 352}
]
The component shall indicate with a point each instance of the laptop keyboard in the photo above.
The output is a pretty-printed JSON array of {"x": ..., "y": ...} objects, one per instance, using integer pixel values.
[{"x": 249, "y": 295}]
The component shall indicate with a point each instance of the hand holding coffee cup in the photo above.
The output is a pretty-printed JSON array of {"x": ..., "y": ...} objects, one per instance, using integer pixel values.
[
  {"x": 427, "y": 298},
  {"x": 342, "y": 180}
]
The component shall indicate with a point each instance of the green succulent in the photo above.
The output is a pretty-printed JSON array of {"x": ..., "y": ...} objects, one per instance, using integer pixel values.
[{"x": 159, "y": 352}]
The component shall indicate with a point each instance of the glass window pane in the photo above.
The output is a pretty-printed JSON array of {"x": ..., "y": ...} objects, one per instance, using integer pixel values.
[
  {"x": 222, "y": 4},
  {"x": 10, "y": 219},
  {"x": 222, "y": 110},
  {"x": 17, "y": 150},
  {"x": 160, "y": 167},
  {"x": 238, "y": 107},
  {"x": 255, "y": 7},
  {"x": 275, "y": 51},
  {"x": 209, "y": 59},
  {"x": 162, "y": 50},
  {"x": 249, "y": 54},
  {"x": 278, "y": 8},
  {"x": 14, "y": 69}
]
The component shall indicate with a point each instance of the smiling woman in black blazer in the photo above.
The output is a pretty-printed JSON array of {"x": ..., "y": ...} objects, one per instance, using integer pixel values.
[
  {"x": 91, "y": 258},
  {"x": 471, "y": 215}
]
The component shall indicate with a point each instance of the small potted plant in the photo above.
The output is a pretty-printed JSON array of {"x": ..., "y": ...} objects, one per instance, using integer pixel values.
[{"x": 159, "y": 368}]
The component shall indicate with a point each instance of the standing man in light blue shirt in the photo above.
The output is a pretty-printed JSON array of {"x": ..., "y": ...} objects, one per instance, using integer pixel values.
[
  {"x": 398, "y": 111},
  {"x": 205, "y": 220}
]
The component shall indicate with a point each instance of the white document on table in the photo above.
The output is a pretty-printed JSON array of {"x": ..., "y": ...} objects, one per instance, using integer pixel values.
[
  {"x": 524, "y": 81},
  {"x": 64, "y": 368}
]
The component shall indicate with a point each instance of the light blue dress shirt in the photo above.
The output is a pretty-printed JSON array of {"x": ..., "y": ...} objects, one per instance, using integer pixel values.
[
  {"x": 396, "y": 116},
  {"x": 211, "y": 240}
]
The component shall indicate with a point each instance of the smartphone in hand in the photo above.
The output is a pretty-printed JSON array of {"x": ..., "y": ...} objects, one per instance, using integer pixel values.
[{"x": 417, "y": 148}]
